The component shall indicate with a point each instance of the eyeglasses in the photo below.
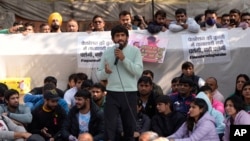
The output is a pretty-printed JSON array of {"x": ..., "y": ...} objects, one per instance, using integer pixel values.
[{"x": 97, "y": 22}]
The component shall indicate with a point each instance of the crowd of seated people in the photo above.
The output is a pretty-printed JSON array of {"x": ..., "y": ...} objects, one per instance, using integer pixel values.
[{"x": 47, "y": 115}]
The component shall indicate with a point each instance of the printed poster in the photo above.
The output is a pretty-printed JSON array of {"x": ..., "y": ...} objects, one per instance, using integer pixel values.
[{"x": 206, "y": 47}]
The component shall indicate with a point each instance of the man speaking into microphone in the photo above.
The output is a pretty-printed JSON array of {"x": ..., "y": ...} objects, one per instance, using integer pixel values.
[{"x": 121, "y": 66}]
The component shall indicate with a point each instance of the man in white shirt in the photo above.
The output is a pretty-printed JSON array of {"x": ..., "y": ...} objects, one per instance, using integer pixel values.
[
  {"x": 70, "y": 93},
  {"x": 182, "y": 22}
]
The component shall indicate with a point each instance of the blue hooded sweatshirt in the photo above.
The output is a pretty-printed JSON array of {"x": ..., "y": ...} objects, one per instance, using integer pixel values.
[{"x": 219, "y": 118}]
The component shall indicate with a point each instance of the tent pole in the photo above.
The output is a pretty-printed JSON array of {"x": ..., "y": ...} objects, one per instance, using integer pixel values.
[{"x": 153, "y": 7}]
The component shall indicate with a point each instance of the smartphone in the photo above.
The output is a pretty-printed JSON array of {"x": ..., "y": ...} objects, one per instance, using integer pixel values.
[
  {"x": 21, "y": 29},
  {"x": 232, "y": 22}
]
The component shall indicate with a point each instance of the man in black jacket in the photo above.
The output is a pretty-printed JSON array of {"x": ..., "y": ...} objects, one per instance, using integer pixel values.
[
  {"x": 49, "y": 117},
  {"x": 85, "y": 116},
  {"x": 159, "y": 24},
  {"x": 146, "y": 94},
  {"x": 166, "y": 121}
]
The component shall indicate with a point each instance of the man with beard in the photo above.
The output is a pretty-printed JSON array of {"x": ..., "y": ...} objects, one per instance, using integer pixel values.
[
  {"x": 72, "y": 26},
  {"x": 98, "y": 95},
  {"x": 146, "y": 94},
  {"x": 120, "y": 67},
  {"x": 19, "y": 113},
  {"x": 159, "y": 24},
  {"x": 210, "y": 20},
  {"x": 182, "y": 22},
  {"x": 55, "y": 22},
  {"x": 48, "y": 118},
  {"x": 125, "y": 19},
  {"x": 84, "y": 117}
]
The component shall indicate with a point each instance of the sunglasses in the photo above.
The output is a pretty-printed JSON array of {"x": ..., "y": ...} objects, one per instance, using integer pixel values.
[{"x": 97, "y": 22}]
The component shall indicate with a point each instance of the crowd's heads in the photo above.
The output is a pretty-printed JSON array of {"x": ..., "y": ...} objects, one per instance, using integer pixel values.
[
  {"x": 11, "y": 98},
  {"x": 87, "y": 84},
  {"x": 175, "y": 84},
  {"x": 160, "y": 17},
  {"x": 148, "y": 136},
  {"x": 187, "y": 69},
  {"x": 55, "y": 17},
  {"x": 233, "y": 105},
  {"x": 81, "y": 77},
  {"x": 246, "y": 90},
  {"x": 163, "y": 99},
  {"x": 145, "y": 85},
  {"x": 240, "y": 80},
  {"x": 120, "y": 35},
  {"x": 181, "y": 15},
  {"x": 145, "y": 79},
  {"x": 225, "y": 20},
  {"x": 48, "y": 86},
  {"x": 201, "y": 103},
  {"x": 210, "y": 17},
  {"x": 72, "y": 26},
  {"x": 50, "y": 79},
  {"x": 164, "y": 104},
  {"x": 212, "y": 83},
  {"x": 199, "y": 18},
  {"x": 44, "y": 28},
  {"x": 55, "y": 21},
  {"x": 51, "y": 95},
  {"x": 234, "y": 16},
  {"x": 119, "y": 29},
  {"x": 98, "y": 92},
  {"x": 29, "y": 27},
  {"x": 245, "y": 17},
  {"x": 3, "y": 88},
  {"x": 125, "y": 19},
  {"x": 98, "y": 23},
  {"x": 185, "y": 80},
  {"x": 85, "y": 137},
  {"x": 83, "y": 93},
  {"x": 82, "y": 99},
  {"x": 148, "y": 73}
]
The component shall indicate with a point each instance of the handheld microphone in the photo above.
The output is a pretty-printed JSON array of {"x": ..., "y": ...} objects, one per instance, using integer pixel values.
[{"x": 117, "y": 45}]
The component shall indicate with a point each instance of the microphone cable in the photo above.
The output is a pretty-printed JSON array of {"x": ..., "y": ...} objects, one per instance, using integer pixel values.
[{"x": 125, "y": 95}]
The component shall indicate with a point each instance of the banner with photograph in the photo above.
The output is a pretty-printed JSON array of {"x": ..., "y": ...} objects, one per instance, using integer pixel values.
[
  {"x": 91, "y": 48},
  {"x": 153, "y": 47}
]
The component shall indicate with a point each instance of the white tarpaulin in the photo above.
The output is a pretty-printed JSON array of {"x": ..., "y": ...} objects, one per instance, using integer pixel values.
[{"x": 39, "y": 55}]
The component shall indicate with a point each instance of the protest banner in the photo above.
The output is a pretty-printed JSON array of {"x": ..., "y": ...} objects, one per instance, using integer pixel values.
[
  {"x": 91, "y": 48},
  {"x": 207, "y": 47}
]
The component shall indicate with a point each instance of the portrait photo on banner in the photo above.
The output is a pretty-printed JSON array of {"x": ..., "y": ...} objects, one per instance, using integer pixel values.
[{"x": 152, "y": 47}]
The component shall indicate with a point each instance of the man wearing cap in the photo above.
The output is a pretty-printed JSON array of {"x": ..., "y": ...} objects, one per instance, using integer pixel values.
[
  {"x": 48, "y": 118},
  {"x": 55, "y": 22}
]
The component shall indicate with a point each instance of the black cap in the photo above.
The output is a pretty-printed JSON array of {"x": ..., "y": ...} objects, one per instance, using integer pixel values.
[{"x": 51, "y": 94}]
